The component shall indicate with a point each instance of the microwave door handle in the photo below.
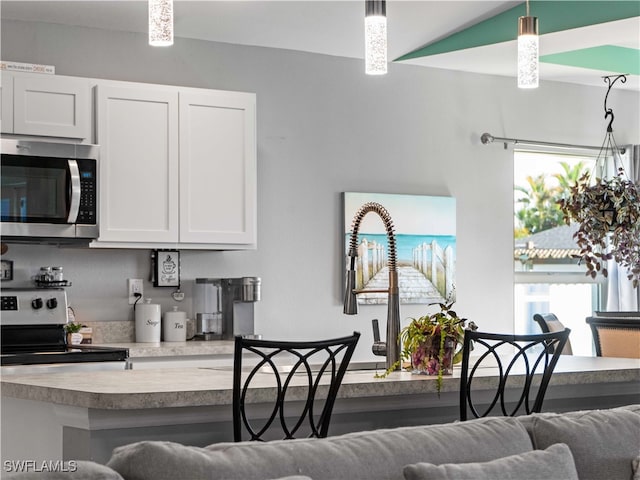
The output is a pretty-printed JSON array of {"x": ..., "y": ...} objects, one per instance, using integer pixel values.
[{"x": 74, "y": 203}]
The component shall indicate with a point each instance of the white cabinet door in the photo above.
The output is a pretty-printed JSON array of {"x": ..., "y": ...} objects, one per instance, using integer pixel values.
[
  {"x": 52, "y": 106},
  {"x": 218, "y": 167},
  {"x": 6, "y": 99},
  {"x": 137, "y": 130}
]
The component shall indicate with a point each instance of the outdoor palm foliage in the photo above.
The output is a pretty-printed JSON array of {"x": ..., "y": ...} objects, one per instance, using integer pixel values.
[{"x": 540, "y": 208}]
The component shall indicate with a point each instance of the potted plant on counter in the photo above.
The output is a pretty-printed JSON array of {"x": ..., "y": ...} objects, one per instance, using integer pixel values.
[
  {"x": 432, "y": 344},
  {"x": 72, "y": 330}
]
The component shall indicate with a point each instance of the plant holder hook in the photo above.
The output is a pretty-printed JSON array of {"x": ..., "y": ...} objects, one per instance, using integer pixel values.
[
  {"x": 608, "y": 112},
  {"x": 609, "y": 142}
]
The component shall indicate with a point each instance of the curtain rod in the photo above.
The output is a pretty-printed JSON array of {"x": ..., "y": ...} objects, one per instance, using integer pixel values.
[{"x": 487, "y": 138}]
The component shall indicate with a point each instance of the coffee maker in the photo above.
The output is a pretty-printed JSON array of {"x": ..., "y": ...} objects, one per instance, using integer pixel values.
[{"x": 223, "y": 307}]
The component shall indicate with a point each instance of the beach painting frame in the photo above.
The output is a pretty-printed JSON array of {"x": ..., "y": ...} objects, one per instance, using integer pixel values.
[{"x": 425, "y": 232}]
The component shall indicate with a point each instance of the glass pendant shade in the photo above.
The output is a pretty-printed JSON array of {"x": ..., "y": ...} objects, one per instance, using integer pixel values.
[
  {"x": 160, "y": 23},
  {"x": 528, "y": 52},
  {"x": 375, "y": 32}
]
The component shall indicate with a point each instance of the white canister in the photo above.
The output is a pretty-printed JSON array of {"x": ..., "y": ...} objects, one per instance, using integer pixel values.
[
  {"x": 175, "y": 326},
  {"x": 148, "y": 322}
]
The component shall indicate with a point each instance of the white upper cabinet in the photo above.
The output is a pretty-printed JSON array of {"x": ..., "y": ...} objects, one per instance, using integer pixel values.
[
  {"x": 137, "y": 130},
  {"x": 46, "y": 105},
  {"x": 217, "y": 167},
  {"x": 177, "y": 167}
]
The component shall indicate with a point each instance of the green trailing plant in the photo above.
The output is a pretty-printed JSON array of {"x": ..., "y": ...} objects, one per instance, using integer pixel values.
[
  {"x": 608, "y": 214},
  {"x": 607, "y": 211},
  {"x": 72, "y": 327},
  {"x": 426, "y": 341}
]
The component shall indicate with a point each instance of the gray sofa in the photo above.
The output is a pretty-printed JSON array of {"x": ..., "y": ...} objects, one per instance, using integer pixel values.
[{"x": 584, "y": 445}]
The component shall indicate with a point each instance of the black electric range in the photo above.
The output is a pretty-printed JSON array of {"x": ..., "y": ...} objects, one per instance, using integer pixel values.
[{"x": 33, "y": 333}]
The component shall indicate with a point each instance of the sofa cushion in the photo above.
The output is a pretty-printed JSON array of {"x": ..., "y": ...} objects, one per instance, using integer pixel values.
[
  {"x": 378, "y": 454},
  {"x": 555, "y": 462},
  {"x": 631, "y": 408},
  {"x": 603, "y": 442}
]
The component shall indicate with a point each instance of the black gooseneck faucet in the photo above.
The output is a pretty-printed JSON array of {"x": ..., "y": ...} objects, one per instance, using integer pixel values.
[{"x": 393, "y": 307}]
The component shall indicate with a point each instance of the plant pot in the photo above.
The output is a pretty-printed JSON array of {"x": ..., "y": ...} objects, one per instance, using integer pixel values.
[
  {"x": 425, "y": 359},
  {"x": 74, "y": 338}
]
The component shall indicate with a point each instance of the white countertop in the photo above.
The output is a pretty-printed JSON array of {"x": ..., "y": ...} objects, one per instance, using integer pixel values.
[{"x": 181, "y": 387}]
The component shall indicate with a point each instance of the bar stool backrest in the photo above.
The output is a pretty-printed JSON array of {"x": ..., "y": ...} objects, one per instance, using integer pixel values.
[
  {"x": 549, "y": 323},
  {"x": 287, "y": 389},
  {"x": 616, "y": 334},
  {"x": 523, "y": 363}
]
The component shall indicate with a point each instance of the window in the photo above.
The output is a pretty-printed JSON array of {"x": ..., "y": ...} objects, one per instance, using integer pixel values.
[{"x": 547, "y": 277}]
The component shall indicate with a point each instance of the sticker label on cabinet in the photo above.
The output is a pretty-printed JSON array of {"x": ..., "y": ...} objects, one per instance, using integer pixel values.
[{"x": 27, "y": 67}]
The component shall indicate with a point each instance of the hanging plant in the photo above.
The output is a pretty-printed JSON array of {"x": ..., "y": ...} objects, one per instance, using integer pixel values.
[
  {"x": 607, "y": 211},
  {"x": 608, "y": 214}
]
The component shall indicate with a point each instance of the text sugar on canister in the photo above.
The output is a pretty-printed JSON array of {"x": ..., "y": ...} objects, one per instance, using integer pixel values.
[{"x": 148, "y": 322}]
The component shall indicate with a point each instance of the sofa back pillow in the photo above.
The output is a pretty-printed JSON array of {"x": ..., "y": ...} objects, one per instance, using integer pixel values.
[
  {"x": 603, "y": 442},
  {"x": 555, "y": 463},
  {"x": 378, "y": 454}
]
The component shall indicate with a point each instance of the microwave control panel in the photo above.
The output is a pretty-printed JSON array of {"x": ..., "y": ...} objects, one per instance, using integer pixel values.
[{"x": 88, "y": 194}]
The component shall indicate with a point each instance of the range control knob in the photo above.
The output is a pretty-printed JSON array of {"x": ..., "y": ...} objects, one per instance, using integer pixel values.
[
  {"x": 36, "y": 303},
  {"x": 52, "y": 303}
]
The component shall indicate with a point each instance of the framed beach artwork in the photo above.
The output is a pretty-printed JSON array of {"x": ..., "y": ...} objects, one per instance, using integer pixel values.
[{"x": 425, "y": 232}]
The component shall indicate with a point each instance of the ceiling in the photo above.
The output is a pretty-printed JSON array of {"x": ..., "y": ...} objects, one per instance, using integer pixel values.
[{"x": 337, "y": 28}]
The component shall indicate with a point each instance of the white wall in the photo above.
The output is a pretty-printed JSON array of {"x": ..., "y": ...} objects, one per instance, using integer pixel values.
[{"x": 325, "y": 128}]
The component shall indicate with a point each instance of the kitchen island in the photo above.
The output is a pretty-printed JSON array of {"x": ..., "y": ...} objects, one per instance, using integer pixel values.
[{"x": 79, "y": 416}]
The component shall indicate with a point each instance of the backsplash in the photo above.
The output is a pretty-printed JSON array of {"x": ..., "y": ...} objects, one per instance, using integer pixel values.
[
  {"x": 98, "y": 290},
  {"x": 111, "y": 332},
  {"x": 122, "y": 332}
]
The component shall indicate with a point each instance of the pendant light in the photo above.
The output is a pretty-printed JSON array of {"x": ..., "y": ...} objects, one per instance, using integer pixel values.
[
  {"x": 160, "y": 23},
  {"x": 528, "y": 51},
  {"x": 375, "y": 37}
]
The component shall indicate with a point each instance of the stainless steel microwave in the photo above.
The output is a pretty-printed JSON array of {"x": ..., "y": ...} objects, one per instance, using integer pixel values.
[{"x": 49, "y": 191}]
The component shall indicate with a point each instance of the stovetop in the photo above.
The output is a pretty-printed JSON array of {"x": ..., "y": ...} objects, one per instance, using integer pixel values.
[
  {"x": 63, "y": 354},
  {"x": 33, "y": 331}
]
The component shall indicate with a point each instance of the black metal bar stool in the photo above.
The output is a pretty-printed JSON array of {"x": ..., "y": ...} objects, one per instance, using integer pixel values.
[
  {"x": 616, "y": 334},
  {"x": 517, "y": 359},
  {"x": 308, "y": 373},
  {"x": 549, "y": 323}
]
